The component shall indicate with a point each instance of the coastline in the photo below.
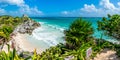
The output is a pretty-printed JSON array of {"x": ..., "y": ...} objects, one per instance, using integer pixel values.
[{"x": 24, "y": 44}]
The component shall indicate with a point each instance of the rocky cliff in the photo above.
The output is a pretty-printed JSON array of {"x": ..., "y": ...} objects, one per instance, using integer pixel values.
[{"x": 27, "y": 27}]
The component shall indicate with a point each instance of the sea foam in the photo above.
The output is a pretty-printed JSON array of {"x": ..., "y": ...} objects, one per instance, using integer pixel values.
[{"x": 50, "y": 34}]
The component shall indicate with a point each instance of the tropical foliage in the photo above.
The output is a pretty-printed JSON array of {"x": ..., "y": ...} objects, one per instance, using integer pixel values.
[
  {"x": 110, "y": 26},
  {"x": 78, "y": 40},
  {"x": 11, "y": 55},
  {"x": 80, "y": 32},
  {"x": 8, "y": 24},
  {"x": 74, "y": 38},
  {"x": 61, "y": 52}
]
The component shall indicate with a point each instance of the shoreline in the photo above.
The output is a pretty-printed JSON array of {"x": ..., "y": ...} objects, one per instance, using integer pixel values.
[
  {"x": 25, "y": 45},
  {"x": 22, "y": 44}
]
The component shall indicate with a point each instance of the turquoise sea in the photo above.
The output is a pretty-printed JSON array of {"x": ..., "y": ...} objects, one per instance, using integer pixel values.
[{"x": 51, "y": 31}]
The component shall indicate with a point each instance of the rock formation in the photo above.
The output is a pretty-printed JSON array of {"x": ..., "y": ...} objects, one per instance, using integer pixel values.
[{"x": 27, "y": 26}]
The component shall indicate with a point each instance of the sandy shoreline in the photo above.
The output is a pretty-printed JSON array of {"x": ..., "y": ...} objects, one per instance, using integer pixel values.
[
  {"x": 25, "y": 44},
  {"x": 21, "y": 43},
  {"x": 106, "y": 54}
]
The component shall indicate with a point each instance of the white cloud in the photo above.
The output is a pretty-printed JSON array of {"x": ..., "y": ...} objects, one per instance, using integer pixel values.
[
  {"x": 118, "y": 3},
  {"x": 109, "y": 8},
  {"x": 23, "y": 8},
  {"x": 73, "y": 13},
  {"x": 2, "y": 11},
  {"x": 89, "y": 8},
  {"x": 106, "y": 7},
  {"x": 13, "y": 2},
  {"x": 65, "y": 12},
  {"x": 107, "y": 4}
]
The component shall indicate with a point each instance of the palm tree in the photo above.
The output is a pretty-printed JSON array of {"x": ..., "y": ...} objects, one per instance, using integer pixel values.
[{"x": 78, "y": 33}]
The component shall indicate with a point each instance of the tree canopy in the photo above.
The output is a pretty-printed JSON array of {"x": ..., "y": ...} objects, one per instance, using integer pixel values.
[{"x": 110, "y": 26}]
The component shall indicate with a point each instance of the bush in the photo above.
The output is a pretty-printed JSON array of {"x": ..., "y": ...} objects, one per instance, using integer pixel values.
[
  {"x": 80, "y": 31},
  {"x": 117, "y": 49},
  {"x": 11, "y": 55}
]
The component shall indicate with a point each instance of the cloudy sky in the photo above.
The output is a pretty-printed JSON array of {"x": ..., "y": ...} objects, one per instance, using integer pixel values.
[{"x": 62, "y": 8}]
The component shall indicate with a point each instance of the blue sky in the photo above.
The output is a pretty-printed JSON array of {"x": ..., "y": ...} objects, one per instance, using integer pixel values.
[{"x": 62, "y": 8}]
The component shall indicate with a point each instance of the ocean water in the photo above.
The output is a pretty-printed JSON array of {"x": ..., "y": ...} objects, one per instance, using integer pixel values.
[
  {"x": 61, "y": 24},
  {"x": 51, "y": 31}
]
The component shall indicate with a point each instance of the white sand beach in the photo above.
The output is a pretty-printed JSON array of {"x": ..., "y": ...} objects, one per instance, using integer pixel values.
[{"x": 22, "y": 44}]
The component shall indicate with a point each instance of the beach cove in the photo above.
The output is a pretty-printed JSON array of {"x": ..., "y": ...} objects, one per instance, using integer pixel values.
[
  {"x": 50, "y": 34},
  {"x": 44, "y": 37}
]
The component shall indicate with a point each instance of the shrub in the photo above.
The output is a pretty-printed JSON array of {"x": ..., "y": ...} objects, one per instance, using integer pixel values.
[
  {"x": 79, "y": 32},
  {"x": 110, "y": 26}
]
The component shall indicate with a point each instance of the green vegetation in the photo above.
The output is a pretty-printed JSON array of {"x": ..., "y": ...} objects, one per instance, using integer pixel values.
[
  {"x": 11, "y": 55},
  {"x": 78, "y": 39},
  {"x": 80, "y": 32},
  {"x": 8, "y": 24},
  {"x": 110, "y": 26}
]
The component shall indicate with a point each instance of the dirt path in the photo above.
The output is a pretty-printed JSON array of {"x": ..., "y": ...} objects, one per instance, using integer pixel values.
[{"x": 106, "y": 54}]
